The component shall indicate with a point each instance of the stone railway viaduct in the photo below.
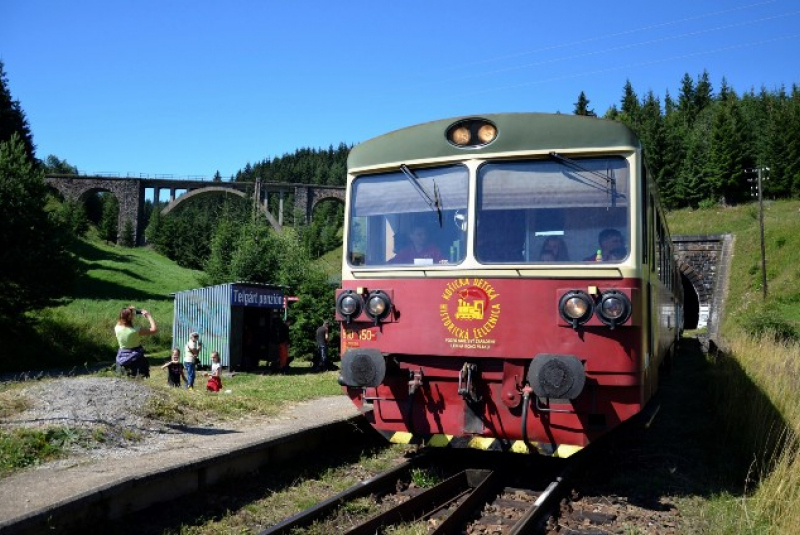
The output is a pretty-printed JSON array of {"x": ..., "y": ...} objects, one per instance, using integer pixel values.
[
  {"x": 130, "y": 192},
  {"x": 703, "y": 260}
]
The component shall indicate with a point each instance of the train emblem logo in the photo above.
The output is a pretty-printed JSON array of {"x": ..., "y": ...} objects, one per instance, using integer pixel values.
[{"x": 470, "y": 310}]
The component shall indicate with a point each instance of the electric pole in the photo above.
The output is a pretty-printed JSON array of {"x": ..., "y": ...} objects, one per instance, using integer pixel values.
[{"x": 760, "y": 173}]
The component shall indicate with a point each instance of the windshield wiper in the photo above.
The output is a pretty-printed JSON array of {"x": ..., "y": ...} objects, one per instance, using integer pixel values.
[
  {"x": 434, "y": 202},
  {"x": 610, "y": 183}
]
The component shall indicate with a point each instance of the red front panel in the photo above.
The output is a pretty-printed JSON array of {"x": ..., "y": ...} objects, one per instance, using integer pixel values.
[{"x": 499, "y": 325}]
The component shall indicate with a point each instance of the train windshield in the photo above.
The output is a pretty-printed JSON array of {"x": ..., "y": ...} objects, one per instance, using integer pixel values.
[
  {"x": 414, "y": 217},
  {"x": 553, "y": 211}
]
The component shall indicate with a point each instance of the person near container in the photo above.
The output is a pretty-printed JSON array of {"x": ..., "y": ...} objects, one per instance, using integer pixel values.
[
  {"x": 191, "y": 356},
  {"x": 175, "y": 369},
  {"x": 130, "y": 356},
  {"x": 214, "y": 383},
  {"x": 323, "y": 334},
  {"x": 283, "y": 345}
]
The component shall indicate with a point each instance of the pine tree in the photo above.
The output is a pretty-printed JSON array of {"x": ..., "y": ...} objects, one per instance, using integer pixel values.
[
  {"x": 612, "y": 113},
  {"x": 695, "y": 185},
  {"x": 12, "y": 118},
  {"x": 73, "y": 216},
  {"x": 629, "y": 111},
  {"x": 35, "y": 263},
  {"x": 686, "y": 100},
  {"x": 673, "y": 152},
  {"x": 126, "y": 240},
  {"x": 727, "y": 160},
  {"x": 782, "y": 149},
  {"x": 55, "y": 166},
  {"x": 218, "y": 266},
  {"x": 651, "y": 132},
  {"x": 703, "y": 93},
  {"x": 582, "y": 106},
  {"x": 110, "y": 218}
]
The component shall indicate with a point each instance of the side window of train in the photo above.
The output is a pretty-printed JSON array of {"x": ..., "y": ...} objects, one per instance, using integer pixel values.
[
  {"x": 659, "y": 239},
  {"x": 663, "y": 250},
  {"x": 646, "y": 239},
  {"x": 651, "y": 224}
]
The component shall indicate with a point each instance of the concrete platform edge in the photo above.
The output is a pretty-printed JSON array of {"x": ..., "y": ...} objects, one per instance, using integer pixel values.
[{"x": 136, "y": 493}]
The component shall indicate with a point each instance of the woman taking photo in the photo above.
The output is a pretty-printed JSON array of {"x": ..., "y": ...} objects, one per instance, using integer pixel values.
[{"x": 131, "y": 354}]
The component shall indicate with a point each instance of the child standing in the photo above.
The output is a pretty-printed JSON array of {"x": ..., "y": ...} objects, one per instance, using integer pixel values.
[
  {"x": 215, "y": 377},
  {"x": 175, "y": 369},
  {"x": 191, "y": 357}
]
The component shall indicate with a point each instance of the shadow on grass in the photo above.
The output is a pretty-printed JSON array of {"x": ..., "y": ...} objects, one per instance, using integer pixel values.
[
  {"x": 49, "y": 345},
  {"x": 690, "y": 449},
  {"x": 86, "y": 266},
  {"x": 90, "y": 257},
  {"x": 87, "y": 288},
  {"x": 90, "y": 252}
]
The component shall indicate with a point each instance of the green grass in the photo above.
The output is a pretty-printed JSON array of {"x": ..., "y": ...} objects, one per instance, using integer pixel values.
[
  {"x": 745, "y": 306},
  {"x": 79, "y": 330},
  {"x": 331, "y": 263},
  {"x": 755, "y": 382},
  {"x": 243, "y": 395},
  {"x": 21, "y": 448}
]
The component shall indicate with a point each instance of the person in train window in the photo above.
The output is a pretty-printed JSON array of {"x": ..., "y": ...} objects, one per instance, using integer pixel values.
[
  {"x": 418, "y": 248},
  {"x": 554, "y": 250},
  {"x": 609, "y": 239}
]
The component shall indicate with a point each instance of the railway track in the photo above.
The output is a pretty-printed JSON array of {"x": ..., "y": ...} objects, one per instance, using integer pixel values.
[{"x": 500, "y": 499}]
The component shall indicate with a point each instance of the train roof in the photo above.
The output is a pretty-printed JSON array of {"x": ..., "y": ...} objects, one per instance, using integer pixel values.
[{"x": 515, "y": 132}]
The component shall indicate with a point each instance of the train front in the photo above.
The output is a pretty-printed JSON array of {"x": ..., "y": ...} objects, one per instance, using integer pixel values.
[{"x": 483, "y": 303}]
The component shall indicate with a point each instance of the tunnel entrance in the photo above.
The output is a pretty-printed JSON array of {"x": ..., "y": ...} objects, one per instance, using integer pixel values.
[{"x": 691, "y": 304}]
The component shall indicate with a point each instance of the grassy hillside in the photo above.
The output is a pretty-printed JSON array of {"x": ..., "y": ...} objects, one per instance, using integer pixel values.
[
  {"x": 80, "y": 330},
  {"x": 745, "y": 306},
  {"x": 331, "y": 263}
]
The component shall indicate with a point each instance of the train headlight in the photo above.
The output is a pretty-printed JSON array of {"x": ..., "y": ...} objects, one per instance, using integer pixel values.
[
  {"x": 378, "y": 305},
  {"x": 576, "y": 307},
  {"x": 487, "y": 133},
  {"x": 471, "y": 133},
  {"x": 614, "y": 308},
  {"x": 460, "y": 136},
  {"x": 349, "y": 304}
]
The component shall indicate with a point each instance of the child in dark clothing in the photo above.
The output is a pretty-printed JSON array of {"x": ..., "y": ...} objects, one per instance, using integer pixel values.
[{"x": 175, "y": 369}]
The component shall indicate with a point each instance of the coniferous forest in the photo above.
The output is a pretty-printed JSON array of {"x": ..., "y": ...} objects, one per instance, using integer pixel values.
[{"x": 701, "y": 143}]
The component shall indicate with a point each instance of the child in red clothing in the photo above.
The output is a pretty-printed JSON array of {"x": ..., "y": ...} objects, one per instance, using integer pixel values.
[{"x": 214, "y": 383}]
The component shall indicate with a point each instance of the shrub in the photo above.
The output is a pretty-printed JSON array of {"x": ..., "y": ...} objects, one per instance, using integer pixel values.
[{"x": 769, "y": 323}]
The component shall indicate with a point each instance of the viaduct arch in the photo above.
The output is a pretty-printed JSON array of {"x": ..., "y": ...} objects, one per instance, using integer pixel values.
[{"x": 130, "y": 192}]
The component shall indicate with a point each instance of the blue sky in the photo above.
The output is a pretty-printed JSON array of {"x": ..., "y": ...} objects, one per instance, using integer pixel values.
[{"x": 186, "y": 88}]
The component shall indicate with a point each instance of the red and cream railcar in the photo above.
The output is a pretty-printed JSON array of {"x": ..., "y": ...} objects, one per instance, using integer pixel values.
[{"x": 508, "y": 282}]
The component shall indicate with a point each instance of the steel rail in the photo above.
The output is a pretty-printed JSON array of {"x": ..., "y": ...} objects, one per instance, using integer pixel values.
[
  {"x": 428, "y": 502},
  {"x": 374, "y": 485}
]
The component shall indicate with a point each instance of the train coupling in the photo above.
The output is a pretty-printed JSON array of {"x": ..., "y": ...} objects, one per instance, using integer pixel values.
[
  {"x": 415, "y": 381},
  {"x": 466, "y": 383}
]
